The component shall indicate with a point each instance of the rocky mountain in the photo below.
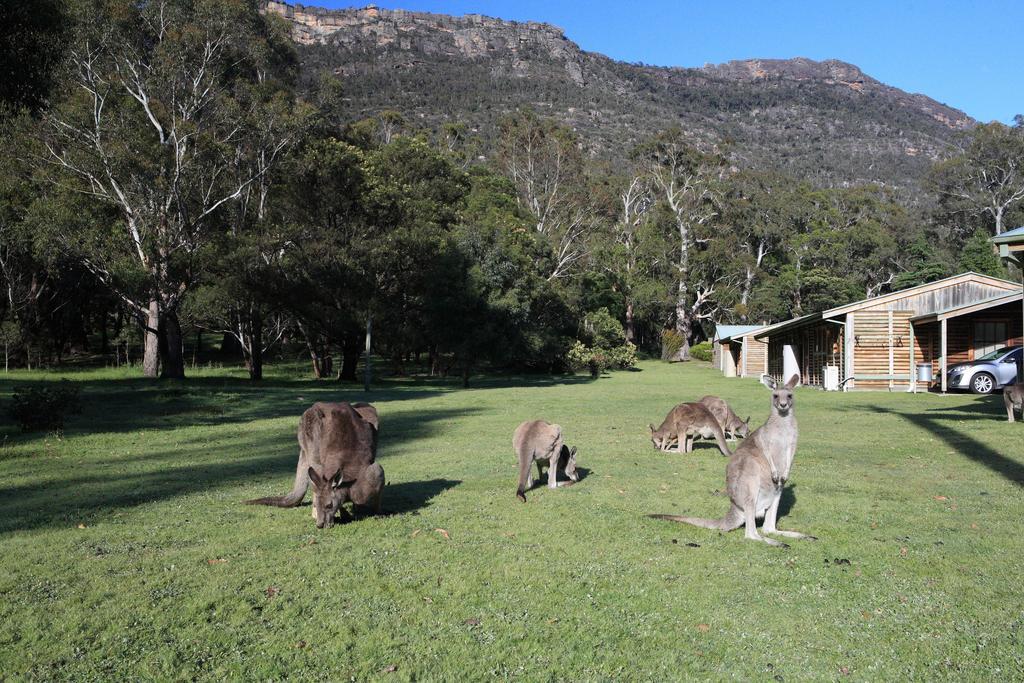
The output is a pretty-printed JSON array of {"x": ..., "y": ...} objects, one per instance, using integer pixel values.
[{"x": 824, "y": 121}]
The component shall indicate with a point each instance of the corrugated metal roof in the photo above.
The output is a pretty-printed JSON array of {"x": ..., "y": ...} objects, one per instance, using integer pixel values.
[
  {"x": 787, "y": 324},
  {"x": 982, "y": 305},
  {"x": 1010, "y": 235},
  {"x": 723, "y": 332}
]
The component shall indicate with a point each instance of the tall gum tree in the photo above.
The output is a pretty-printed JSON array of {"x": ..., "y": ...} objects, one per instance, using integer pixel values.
[
  {"x": 688, "y": 181},
  {"x": 151, "y": 125},
  {"x": 986, "y": 177}
]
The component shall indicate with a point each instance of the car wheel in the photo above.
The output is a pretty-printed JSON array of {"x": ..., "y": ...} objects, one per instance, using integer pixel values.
[{"x": 983, "y": 383}]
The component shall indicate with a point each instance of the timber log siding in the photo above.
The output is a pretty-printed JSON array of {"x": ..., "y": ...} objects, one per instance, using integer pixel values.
[
  {"x": 753, "y": 357},
  {"x": 870, "y": 340}
]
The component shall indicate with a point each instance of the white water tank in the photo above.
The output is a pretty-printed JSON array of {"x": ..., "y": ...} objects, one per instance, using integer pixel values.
[
  {"x": 789, "y": 365},
  {"x": 831, "y": 378}
]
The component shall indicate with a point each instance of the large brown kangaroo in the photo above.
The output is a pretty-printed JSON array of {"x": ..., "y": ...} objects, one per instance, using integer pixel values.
[
  {"x": 757, "y": 472},
  {"x": 542, "y": 442},
  {"x": 337, "y": 453},
  {"x": 683, "y": 424}
]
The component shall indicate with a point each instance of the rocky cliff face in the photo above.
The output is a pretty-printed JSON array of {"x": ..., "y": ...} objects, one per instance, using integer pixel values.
[
  {"x": 840, "y": 74},
  {"x": 827, "y": 121},
  {"x": 472, "y": 36}
]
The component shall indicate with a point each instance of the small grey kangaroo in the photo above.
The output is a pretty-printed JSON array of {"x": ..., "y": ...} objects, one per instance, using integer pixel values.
[
  {"x": 683, "y": 424},
  {"x": 337, "y": 454},
  {"x": 730, "y": 422},
  {"x": 757, "y": 472},
  {"x": 542, "y": 442},
  {"x": 1013, "y": 397}
]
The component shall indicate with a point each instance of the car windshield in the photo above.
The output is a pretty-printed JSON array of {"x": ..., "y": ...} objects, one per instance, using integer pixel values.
[{"x": 992, "y": 355}]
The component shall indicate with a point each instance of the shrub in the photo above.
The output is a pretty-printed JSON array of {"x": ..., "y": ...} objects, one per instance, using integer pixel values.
[
  {"x": 622, "y": 357},
  {"x": 604, "y": 330},
  {"x": 44, "y": 407},
  {"x": 702, "y": 351},
  {"x": 596, "y": 360},
  {"x": 671, "y": 342}
]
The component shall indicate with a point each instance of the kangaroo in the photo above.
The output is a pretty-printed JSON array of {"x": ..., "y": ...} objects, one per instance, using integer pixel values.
[
  {"x": 757, "y": 471},
  {"x": 1013, "y": 397},
  {"x": 683, "y": 424},
  {"x": 730, "y": 422},
  {"x": 337, "y": 450},
  {"x": 540, "y": 441}
]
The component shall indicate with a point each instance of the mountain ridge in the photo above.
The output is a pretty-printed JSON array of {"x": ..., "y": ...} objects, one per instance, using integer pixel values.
[{"x": 824, "y": 118}]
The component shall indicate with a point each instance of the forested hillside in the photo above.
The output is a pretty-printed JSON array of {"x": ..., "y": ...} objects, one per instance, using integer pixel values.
[{"x": 826, "y": 122}]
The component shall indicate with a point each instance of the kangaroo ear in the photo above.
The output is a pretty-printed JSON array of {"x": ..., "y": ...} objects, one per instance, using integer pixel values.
[
  {"x": 315, "y": 477},
  {"x": 572, "y": 452},
  {"x": 651, "y": 427},
  {"x": 747, "y": 421},
  {"x": 769, "y": 382},
  {"x": 792, "y": 381}
]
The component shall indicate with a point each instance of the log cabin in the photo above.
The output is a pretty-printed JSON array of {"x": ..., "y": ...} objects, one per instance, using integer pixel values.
[{"x": 876, "y": 343}]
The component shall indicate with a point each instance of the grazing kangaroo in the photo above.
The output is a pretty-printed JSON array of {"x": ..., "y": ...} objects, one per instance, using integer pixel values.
[
  {"x": 730, "y": 422},
  {"x": 683, "y": 424},
  {"x": 1013, "y": 397},
  {"x": 757, "y": 471},
  {"x": 539, "y": 441},
  {"x": 337, "y": 453}
]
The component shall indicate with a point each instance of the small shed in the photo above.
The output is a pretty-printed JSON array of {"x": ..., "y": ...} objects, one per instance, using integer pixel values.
[
  {"x": 875, "y": 342},
  {"x": 737, "y": 353}
]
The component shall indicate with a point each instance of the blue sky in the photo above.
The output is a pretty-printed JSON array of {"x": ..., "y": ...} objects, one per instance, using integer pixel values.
[{"x": 965, "y": 54}]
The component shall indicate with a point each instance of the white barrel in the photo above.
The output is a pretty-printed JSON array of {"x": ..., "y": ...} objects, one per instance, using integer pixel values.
[{"x": 789, "y": 365}]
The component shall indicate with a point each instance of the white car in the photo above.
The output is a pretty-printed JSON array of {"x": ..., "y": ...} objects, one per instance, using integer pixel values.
[{"x": 984, "y": 375}]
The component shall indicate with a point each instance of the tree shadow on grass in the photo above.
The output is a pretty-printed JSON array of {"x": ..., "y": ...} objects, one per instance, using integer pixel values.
[
  {"x": 117, "y": 405},
  {"x": 64, "y": 494},
  {"x": 961, "y": 443}
]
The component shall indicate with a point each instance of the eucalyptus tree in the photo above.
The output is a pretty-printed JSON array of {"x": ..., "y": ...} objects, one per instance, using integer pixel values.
[
  {"x": 152, "y": 122},
  {"x": 985, "y": 177},
  {"x": 689, "y": 184},
  {"x": 545, "y": 163}
]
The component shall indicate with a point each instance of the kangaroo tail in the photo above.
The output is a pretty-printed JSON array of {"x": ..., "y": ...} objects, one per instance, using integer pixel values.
[
  {"x": 525, "y": 463},
  {"x": 732, "y": 520},
  {"x": 295, "y": 496}
]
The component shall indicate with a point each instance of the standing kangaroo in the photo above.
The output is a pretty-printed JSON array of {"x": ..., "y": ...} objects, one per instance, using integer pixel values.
[
  {"x": 539, "y": 441},
  {"x": 1013, "y": 397},
  {"x": 730, "y": 422},
  {"x": 684, "y": 423},
  {"x": 757, "y": 471},
  {"x": 337, "y": 454}
]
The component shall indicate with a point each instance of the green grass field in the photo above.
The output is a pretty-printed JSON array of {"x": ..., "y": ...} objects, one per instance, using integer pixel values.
[{"x": 125, "y": 552}]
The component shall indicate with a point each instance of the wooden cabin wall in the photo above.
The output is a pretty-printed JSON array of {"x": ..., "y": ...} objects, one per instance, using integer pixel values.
[
  {"x": 756, "y": 352},
  {"x": 875, "y": 344}
]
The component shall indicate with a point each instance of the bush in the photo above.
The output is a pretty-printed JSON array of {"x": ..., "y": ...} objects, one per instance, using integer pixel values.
[
  {"x": 622, "y": 357},
  {"x": 597, "y": 360},
  {"x": 604, "y": 330},
  {"x": 671, "y": 342},
  {"x": 44, "y": 407},
  {"x": 702, "y": 351}
]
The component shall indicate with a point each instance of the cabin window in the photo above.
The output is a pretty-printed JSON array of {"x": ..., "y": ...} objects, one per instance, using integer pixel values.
[{"x": 988, "y": 336}]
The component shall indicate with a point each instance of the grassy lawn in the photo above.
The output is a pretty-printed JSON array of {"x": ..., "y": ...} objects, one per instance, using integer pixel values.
[{"x": 125, "y": 552}]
